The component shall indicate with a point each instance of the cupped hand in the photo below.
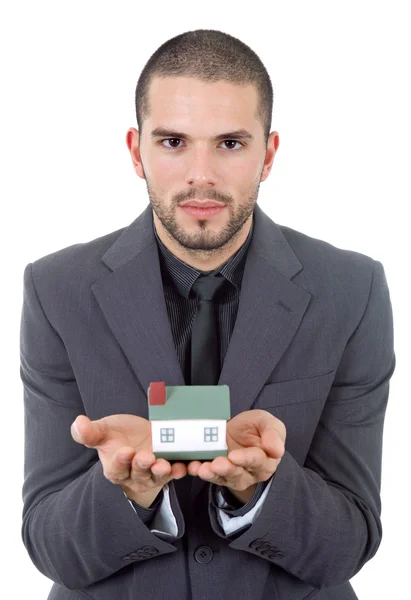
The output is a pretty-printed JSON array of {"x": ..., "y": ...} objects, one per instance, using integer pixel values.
[
  {"x": 256, "y": 444},
  {"x": 128, "y": 437}
]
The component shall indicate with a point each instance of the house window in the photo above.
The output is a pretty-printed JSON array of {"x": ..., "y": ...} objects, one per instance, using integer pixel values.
[
  {"x": 167, "y": 434},
  {"x": 211, "y": 434}
]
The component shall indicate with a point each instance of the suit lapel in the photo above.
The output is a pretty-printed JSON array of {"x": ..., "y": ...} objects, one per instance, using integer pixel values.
[{"x": 270, "y": 310}]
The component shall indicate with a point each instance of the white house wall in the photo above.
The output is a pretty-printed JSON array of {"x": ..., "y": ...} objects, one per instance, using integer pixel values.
[{"x": 188, "y": 434}]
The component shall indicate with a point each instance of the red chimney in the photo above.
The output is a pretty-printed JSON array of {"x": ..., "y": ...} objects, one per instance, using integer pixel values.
[{"x": 157, "y": 394}]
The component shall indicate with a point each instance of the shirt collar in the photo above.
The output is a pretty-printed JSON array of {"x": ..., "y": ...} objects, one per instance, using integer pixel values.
[{"x": 183, "y": 275}]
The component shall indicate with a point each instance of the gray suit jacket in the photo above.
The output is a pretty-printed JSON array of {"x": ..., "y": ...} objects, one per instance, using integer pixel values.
[{"x": 312, "y": 344}]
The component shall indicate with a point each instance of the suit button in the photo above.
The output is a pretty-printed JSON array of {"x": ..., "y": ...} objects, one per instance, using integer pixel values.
[
  {"x": 255, "y": 544},
  {"x": 148, "y": 551},
  {"x": 266, "y": 549},
  {"x": 203, "y": 554},
  {"x": 143, "y": 553}
]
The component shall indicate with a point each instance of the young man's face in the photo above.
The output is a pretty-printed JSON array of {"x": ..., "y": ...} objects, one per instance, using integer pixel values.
[{"x": 188, "y": 164}]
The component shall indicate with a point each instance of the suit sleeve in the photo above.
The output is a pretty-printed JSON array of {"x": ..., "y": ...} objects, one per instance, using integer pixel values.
[
  {"x": 232, "y": 514},
  {"x": 70, "y": 509},
  {"x": 321, "y": 521},
  {"x": 159, "y": 516},
  {"x": 235, "y": 520}
]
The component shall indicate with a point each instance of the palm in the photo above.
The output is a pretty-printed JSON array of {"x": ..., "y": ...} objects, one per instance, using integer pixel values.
[
  {"x": 118, "y": 431},
  {"x": 242, "y": 431}
]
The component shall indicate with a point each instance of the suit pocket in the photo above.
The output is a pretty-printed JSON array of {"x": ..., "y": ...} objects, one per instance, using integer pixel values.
[{"x": 295, "y": 391}]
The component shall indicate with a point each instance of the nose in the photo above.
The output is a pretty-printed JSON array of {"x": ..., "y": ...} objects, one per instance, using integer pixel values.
[{"x": 201, "y": 170}]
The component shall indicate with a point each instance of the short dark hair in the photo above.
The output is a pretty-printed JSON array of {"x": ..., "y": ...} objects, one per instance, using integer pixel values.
[{"x": 209, "y": 55}]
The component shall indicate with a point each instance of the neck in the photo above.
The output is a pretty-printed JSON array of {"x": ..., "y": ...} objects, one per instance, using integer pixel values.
[{"x": 203, "y": 260}]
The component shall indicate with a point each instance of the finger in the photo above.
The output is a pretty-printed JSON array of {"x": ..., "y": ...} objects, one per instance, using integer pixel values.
[
  {"x": 256, "y": 463},
  {"x": 161, "y": 468},
  {"x": 158, "y": 472},
  {"x": 118, "y": 469},
  {"x": 164, "y": 471},
  {"x": 87, "y": 432},
  {"x": 145, "y": 458},
  {"x": 146, "y": 462},
  {"x": 128, "y": 462},
  {"x": 219, "y": 471},
  {"x": 178, "y": 470},
  {"x": 249, "y": 458},
  {"x": 193, "y": 467},
  {"x": 223, "y": 467},
  {"x": 125, "y": 455},
  {"x": 76, "y": 430},
  {"x": 224, "y": 475},
  {"x": 272, "y": 443}
]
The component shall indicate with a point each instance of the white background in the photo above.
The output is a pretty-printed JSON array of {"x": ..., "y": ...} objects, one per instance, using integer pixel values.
[{"x": 341, "y": 77}]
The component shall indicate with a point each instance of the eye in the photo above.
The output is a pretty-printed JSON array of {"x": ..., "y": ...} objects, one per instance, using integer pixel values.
[
  {"x": 170, "y": 140},
  {"x": 173, "y": 146},
  {"x": 231, "y": 142}
]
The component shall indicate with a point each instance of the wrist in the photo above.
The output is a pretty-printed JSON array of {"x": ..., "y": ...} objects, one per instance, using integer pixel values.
[
  {"x": 243, "y": 496},
  {"x": 144, "y": 499}
]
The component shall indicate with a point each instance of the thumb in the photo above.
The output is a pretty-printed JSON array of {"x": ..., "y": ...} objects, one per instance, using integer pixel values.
[
  {"x": 272, "y": 443},
  {"x": 89, "y": 433}
]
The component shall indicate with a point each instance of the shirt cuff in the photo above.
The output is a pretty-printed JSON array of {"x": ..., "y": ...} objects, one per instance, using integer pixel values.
[
  {"x": 226, "y": 501},
  {"x": 232, "y": 521},
  {"x": 146, "y": 513},
  {"x": 159, "y": 514}
]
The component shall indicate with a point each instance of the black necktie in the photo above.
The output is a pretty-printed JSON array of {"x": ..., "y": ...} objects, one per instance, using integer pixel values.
[{"x": 205, "y": 346}]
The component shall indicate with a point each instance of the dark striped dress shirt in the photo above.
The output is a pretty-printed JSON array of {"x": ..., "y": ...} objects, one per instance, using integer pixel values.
[{"x": 178, "y": 279}]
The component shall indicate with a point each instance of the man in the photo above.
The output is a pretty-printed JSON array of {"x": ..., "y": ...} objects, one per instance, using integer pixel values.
[{"x": 305, "y": 344}]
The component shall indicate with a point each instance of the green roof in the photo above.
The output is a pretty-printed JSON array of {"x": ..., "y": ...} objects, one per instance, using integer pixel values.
[{"x": 193, "y": 402}]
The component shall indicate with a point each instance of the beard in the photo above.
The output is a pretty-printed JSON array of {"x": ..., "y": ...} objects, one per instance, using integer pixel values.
[{"x": 202, "y": 239}]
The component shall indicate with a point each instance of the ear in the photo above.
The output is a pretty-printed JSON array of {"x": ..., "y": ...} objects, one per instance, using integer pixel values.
[
  {"x": 133, "y": 144},
  {"x": 272, "y": 146}
]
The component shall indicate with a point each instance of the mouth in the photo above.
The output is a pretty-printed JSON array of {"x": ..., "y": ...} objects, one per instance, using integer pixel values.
[
  {"x": 202, "y": 203},
  {"x": 203, "y": 213}
]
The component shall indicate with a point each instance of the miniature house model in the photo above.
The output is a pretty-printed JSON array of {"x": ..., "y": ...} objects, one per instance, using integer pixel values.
[{"x": 188, "y": 422}]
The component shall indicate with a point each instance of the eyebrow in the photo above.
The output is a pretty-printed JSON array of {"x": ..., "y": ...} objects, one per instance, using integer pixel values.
[{"x": 242, "y": 134}]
